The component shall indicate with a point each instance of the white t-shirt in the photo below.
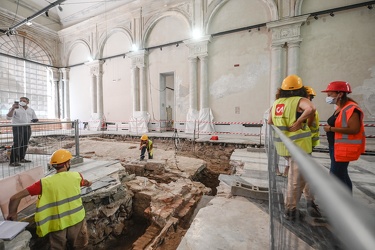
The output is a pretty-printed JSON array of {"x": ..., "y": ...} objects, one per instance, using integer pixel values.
[{"x": 22, "y": 115}]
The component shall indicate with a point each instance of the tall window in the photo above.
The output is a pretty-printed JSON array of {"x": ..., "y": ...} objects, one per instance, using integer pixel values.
[{"x": 19, "y": 77}]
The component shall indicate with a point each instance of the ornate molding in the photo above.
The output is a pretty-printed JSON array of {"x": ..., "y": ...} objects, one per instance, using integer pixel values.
[
  {"x": 138, "y": 58},
  {"x": 96, "y": 67},
  {"x": 287, "y": 30},
  {"x": 198, "y": 48}
]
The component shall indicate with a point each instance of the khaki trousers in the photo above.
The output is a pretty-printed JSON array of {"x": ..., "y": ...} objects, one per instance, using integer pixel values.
[
  {"x": 296, "y": 185},
  {"x": 74, "y": 237}
]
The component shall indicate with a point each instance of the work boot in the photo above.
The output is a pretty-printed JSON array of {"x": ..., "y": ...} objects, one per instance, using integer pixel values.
[
  {"x": 291, "y": 214},
  {"x": 313, "y": 210}
]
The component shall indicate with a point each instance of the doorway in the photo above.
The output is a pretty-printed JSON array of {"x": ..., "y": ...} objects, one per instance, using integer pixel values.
[{"x": 167, "y": 101}]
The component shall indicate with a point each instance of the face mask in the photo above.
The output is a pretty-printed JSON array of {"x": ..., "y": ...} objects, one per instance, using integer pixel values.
[
  {"x": 331, "y": 100},
  {"x": 23, "y": 104}
]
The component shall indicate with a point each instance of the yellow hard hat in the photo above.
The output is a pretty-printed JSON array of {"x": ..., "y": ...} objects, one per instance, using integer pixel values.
[
  {"x": 310, "y": 91},
  {"x": 292, "y": 82},
  {"x": 144, "y": 137},
  {"x": 60, "y": 156}
]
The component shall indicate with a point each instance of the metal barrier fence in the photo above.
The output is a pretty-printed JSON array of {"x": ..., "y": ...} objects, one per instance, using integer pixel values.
[
  {"x": 45, "y": 138},
  {"x": 353, "y": 224}
]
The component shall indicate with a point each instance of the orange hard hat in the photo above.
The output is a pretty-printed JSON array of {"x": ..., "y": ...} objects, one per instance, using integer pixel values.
[
  {"x": 144, "y": 137},
  {"x": 338, "y": 86},
  {"x": 310, "y": 91}
]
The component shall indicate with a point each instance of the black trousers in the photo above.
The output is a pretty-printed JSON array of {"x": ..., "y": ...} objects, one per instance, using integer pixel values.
[{"x": 21, "y": 137}]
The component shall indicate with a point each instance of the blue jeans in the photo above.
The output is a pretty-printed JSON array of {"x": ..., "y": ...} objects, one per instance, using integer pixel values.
[
  {"x": 340, "y": 170},
  {"x": 143, "y": 151}
]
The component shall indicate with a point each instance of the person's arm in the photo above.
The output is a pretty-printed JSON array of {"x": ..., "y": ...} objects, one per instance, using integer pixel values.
[
  {"x": 311, "y": 120},
  {"x": 86, "y": 183},
  {"x": 11, "y": 111},
  {"x": 270, "y": 117},
  {"x": 14, "y": 202},
  {"x": 354, "y": 126},
  {"x": 308, "y": 111}
]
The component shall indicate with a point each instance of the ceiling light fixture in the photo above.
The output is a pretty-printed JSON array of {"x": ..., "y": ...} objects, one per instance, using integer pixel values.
[
  {"x": 331, "y": 14},
  {"x": 258, "y": 28},
  {"x": 47, "y": 13},
  {"x": 60, "y": 8},
  {"x": 316, "y": 17},
  {"x": 177, "y": 44},
  {"x": 369, "y": 7},
  {"x": 28, "y": 23}
]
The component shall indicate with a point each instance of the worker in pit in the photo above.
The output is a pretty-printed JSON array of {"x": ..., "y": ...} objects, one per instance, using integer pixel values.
[
  {"x": 59, "y": 209},
  {"x": 146, "y": 144}
]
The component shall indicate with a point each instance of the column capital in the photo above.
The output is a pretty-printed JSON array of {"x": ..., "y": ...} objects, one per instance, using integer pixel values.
[
  {"x": 138, "y": 58},
  {"x": 96, "y": 67},
  {"x": 64, "y": 73},
  {"x": 198, "y": 47},
  {"x": 287, "y": 30}
]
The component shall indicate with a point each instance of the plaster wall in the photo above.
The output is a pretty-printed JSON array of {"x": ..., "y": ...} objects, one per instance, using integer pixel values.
[
  {"x": 239, "y": 93},
  {"x": 162, "y": 62},
  {"x": 117, "y": 96},
  {"x": 170, "y": 59},
  {"x": 117, "y": 99},
  {"x": 238, "y": 14},
  {"x": 80, "y": 98},
  {"x": 318, "y": 5},
  {"x": 79, "y": 83},
  {"x": 340, "y": 48}
]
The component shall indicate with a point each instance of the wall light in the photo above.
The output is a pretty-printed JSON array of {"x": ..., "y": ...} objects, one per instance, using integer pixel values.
[
  {"x": 177, "y": 44},
  {"x": 249, "y": 30},
  {"x": 369, "y": 7},
  {"x": 47, "y": 13},
  {"x": 28, "y": 23},
  {"x": 134, "y": 47},
  {"x": 258, "y": 28},
  {"x": 331, "y": 14},
  {"x": 316, "y": 17},
  {"x": 161, "y": 48},
  {"x": 60, "y": 8}
]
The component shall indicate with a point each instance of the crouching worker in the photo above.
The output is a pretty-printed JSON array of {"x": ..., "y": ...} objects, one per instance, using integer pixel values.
[
  {"x": 146, "y": 144},
  {"x": 59, "y": 209}
]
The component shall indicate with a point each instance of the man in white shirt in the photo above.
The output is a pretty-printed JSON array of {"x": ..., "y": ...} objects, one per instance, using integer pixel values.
[{"x": 20, "y": 113}]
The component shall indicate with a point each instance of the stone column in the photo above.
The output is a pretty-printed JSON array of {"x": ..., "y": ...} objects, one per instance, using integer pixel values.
[
  {"x": 193, "y": 94},
  {"x": 135, "y": 88},
  {"x": 94, "y": 100},
  {"x": 56, "y": 92},
  {"x": 284, "y": 31},
  {"x": 198, "y": 49},
  {"x": 204, "y": 95},
  {"x": 65, "y": 77},
  {"x": 143, "y": 88},
  {"x": 293, "y": 57},
  {"x": 99, "y": 81},
  {"x": 140, "y": 117},
  {"x": 277, "y": 73}
]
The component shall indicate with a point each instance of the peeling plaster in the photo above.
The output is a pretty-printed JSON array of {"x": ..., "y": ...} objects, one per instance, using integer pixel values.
[
  {"x": 367, "y": 90},
  {"x": 229, "y": 84}
]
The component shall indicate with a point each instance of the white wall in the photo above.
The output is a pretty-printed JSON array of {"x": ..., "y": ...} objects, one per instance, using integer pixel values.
[{"x": 340, "y": 48}]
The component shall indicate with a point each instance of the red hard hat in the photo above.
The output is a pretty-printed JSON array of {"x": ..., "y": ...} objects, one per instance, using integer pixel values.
[{"x": 338, "y": 86}]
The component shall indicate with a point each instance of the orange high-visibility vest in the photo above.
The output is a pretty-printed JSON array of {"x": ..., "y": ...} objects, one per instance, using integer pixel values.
[{"x": 349, "y": 147}]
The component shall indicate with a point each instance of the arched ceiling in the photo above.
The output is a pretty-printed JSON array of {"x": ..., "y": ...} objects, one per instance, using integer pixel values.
[{"x": 66, "y": 14}]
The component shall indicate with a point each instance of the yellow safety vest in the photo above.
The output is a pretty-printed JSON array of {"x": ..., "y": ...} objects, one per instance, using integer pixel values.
[
  {"x": 149, "y": 147},
  {"x": 60, "y": 205},
  {"x": 283, "y": 116},
  {"x": 315, "y": 131}
]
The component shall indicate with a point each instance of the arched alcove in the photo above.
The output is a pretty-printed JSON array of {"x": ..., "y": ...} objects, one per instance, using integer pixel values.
[
  {"x": 235, "y": 14},
  {"x": 170, "y": 27},
  {"x": 79, "y": 52}
]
